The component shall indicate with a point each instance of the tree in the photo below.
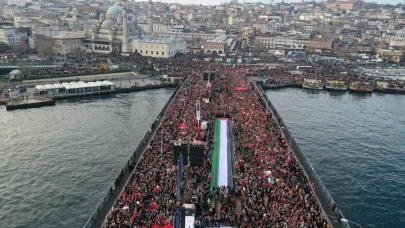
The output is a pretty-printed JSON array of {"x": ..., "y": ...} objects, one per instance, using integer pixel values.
[
  {"x": 258, "y": 48},
  {"x": 20, "y": 49},
  {"x": 45, "y": 47},
  {"x": 4, "y": 47},
  {"x": 76, "y": 52},
  {"x": 25, "y": 70}
]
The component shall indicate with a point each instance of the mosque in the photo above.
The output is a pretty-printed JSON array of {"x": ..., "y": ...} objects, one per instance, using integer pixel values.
[
  {"x": 399, "y": 39},
  {"x": 113, "y": 32}
]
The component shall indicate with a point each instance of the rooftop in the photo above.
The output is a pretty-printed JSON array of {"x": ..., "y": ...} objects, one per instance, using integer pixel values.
[{"x": 70, "y": 36}]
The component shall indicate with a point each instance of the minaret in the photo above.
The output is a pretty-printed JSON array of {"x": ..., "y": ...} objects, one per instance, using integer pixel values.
[
  {"x": 150, "y": 19},
  {"x": 124, "y": 28}
]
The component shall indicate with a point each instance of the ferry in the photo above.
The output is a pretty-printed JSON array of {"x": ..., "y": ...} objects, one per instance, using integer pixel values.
[
  {"x": 393, "y": 89},
  {"x": 365, "y": 87},
  {"x": 336, "y": 86},
  {"x": 312, "y": 84}
]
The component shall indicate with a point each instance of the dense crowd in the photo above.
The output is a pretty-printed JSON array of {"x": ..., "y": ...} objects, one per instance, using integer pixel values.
[
  {"x": 270, "y": 188},
  {"x": 320, "y": 70}
]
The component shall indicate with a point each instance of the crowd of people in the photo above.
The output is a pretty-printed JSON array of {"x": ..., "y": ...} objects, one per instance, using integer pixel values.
[
  {"x": 321, "y": 70},
  {"x": 270, "y": 187}
]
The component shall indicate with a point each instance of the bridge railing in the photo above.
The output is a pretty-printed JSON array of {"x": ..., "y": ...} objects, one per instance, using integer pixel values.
[
  {"x": 323, "y": 196},
  {"x": 132, "y": 162}
]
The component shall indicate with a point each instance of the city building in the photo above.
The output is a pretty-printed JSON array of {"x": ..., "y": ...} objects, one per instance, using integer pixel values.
[
  {"x": 342, "y": 5},
  {"x": 160, "y": 47},
  {"x": 66, "y": 42},
  {"x": 248, "y": 36},
  {"x": 389, "y": 54},
  {"x": 320, "y": 44},
  {"x": 114, "y": 32},
  {"x": 219, "y": 45},
  {"x": 21, "y": 3},
  {"x": 9, "y": 36},
  {"x": 294, "y": 41},
  {"x": 309, "y": 27},
  {"x": 399, "y": 39}
]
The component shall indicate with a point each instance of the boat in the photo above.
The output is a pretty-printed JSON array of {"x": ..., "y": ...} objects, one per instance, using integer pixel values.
[
  {"x": 364, "y": 87},
  {"x": 336, "y": 86},
  {"x": 312, "y": 84},
  {"x": 393, "y": 89}
]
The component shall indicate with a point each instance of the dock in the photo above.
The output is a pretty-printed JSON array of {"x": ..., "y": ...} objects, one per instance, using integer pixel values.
[
  {"x": 29, "y": 103},
  {"x": 39, "y": 101}
]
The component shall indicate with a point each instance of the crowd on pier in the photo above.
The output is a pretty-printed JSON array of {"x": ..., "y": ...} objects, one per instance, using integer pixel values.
[{"x": 270, "y": 186}]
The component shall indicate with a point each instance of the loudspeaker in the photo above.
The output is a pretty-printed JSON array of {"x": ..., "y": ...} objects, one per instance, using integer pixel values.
[
  {"x": 197, "y": 156},
  {"x": 205, "y": 76},
  {"x": 212, "y": 76}
]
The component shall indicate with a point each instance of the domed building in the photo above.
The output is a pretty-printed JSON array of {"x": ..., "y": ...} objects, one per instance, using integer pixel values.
[
  {"x": 114, "y": 32},
  {"x": 399, "y": 39},
  {"x": 15, "y": 74}
]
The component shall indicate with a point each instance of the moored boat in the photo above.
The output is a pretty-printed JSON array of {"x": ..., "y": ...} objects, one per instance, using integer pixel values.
[
  {"x": 336, "y": 86},
  {"x": 312, "y": 84},
  {"x": 393, "y": 89},
  {"x": 364, "y": 87}
]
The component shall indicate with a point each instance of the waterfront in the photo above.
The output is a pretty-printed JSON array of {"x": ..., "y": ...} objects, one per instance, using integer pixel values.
[
  {"x": 354, "y": 141},
  {"x": 58, "y": 162}
]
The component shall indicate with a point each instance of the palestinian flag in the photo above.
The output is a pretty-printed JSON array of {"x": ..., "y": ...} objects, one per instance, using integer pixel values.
[
  {"x": 222, "y": 158},
  {"x": 269, "y": 176}
]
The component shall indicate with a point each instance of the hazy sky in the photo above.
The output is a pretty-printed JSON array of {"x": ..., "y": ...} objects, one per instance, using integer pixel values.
[{"x": 216, "y": 2}]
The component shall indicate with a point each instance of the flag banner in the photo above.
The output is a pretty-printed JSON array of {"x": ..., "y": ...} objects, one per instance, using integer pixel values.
[
  {"x": 270, "y": 177},
  {"x": 241, "y": 88},
  {"x": 222, "y": 158}
]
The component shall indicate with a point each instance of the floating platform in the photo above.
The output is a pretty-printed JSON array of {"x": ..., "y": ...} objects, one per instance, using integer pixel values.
[
  {"x": 30, "y": 103},
  {"x": 37, "y": 102}
]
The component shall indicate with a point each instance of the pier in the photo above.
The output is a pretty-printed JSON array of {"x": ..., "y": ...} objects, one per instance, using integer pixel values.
[
  {"x": 41, "y": 101},
  {"x": 29, "y": 103}
]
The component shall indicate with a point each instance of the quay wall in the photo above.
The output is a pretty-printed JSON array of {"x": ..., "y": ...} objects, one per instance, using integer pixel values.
[
  {"x": 10, "y": 107},
  {"x": 323, "y": 196},
  {"x": 98, "y": 216}
]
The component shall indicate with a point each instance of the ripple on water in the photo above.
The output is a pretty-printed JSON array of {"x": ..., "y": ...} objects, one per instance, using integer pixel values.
[
  {"x": 58, "y": 162},
  {"x": 355, "y": 142}
]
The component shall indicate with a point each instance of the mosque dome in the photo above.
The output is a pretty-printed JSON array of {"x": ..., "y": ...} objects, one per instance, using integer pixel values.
[
  {"x": 400, "y": 33},
  {"x": 114, "y": 10},
  {"x": 108, "y": 22}
]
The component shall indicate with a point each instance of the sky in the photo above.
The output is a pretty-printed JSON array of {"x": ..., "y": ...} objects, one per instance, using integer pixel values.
[{"x": 217, "y": 2}]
